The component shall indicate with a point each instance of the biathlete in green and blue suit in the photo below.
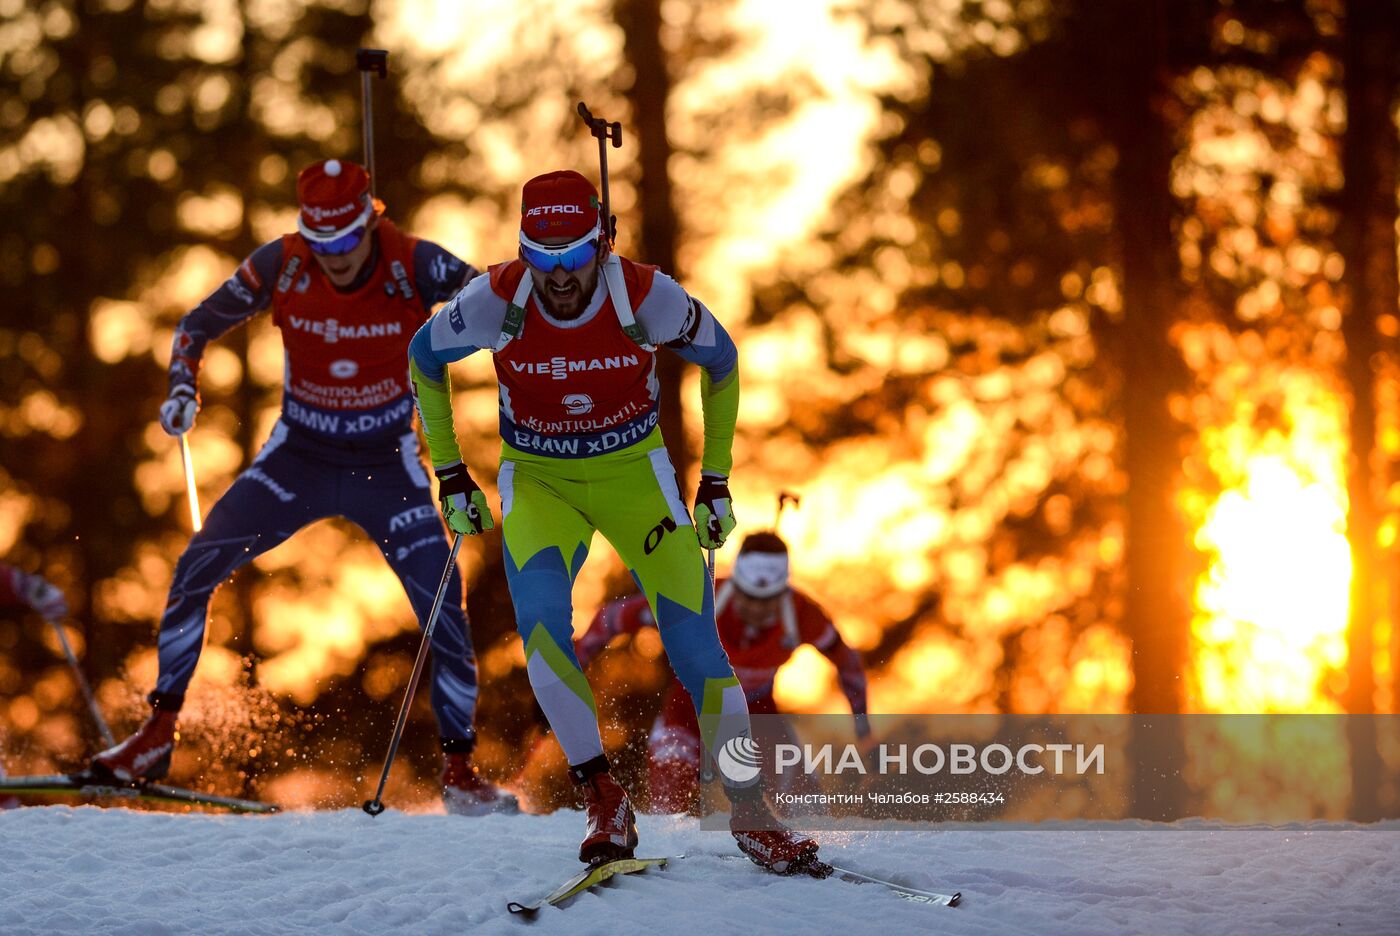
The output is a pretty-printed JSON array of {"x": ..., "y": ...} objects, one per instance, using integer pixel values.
[{"x": 574, "y": 330}]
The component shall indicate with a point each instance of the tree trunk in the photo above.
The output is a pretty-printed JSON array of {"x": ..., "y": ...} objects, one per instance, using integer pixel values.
[
  {"x": 1157, "y": 611},
  {"x": 648, "y": 95},
  {"x": 1369, "y": 154}
]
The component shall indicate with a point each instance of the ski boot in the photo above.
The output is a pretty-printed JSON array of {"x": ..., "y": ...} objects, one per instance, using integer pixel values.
[
  {"x": 612, "y": 825},
  {"x": 143, "y": 756},
  {"x": 466, "y": 793},
  {"x": 766, "y": 841}
]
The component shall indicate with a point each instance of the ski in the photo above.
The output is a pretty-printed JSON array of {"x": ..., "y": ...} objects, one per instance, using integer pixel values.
[
  {"x": 820, "y": 869},
  {"x": 94, "y": 788},
  {"x": 587, "y": 879}
]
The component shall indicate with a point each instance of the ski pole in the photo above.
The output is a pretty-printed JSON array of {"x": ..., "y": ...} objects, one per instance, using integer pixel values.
[
  {"x": 91, "y": 700},
  {"x": 604, "y": 131},
  {"x": 191, "y": 492},
  {"x": 369, "y": 61},
  {"x": 376, "y": 806}
]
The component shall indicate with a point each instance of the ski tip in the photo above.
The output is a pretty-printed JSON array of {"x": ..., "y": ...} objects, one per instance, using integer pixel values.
[
  {"x": 589, "y": 878},
  {"x": 94, "y": 786},
  {"x": 90, "y": 776}
]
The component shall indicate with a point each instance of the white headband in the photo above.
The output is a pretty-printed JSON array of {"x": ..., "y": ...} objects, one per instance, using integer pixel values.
[
  {"x": 761, "y": 574},
  {"x": 557, "y": 249},
  {"x": 322, "y": 237}
]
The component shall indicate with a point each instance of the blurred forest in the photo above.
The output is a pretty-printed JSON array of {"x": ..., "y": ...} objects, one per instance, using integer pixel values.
[{"x": 1073, "y": 323}]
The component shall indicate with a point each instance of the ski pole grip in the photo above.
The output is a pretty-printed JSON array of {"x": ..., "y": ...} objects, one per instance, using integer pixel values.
[
  {"x": 604, "y": 131},
  {"x": 600, "y": 128},
  {"x": 375, "y": 60},
  {"x": 370, "y": 61}
]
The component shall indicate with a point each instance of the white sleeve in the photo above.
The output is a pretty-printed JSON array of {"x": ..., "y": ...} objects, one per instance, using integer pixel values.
[
  {"x": 668, "y": 313},
  {"x": 470, "y": 319}
]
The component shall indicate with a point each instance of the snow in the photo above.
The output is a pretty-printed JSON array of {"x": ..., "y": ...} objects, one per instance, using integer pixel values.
[{"x": 114, "y": 871}]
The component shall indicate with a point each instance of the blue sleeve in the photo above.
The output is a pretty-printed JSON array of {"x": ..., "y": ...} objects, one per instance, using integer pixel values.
[
  {"x": 469, "y": 322},
  {"x": 244, "y": 294},
  {"x": 428, "y": 357},
  {"x": 432, "y": 361},
  {"x": 718, "y": 354},
  {"x": 439, "y": 273}
]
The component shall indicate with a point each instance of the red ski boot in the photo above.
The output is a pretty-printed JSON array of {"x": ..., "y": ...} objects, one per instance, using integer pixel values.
[
  {"x": 466, "y": 793},
  {"x": 143, "y": 756},
  {"x": 767, "y": 841},
  {"x": 612, "y": 826}
]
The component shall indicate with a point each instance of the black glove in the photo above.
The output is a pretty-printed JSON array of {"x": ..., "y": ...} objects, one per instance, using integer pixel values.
[
  {"x": 714, "y": 512},
  {"x": 462, "y": 502}
]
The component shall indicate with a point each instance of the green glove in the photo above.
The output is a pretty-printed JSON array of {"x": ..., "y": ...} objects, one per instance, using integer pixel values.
[
  {"x": 714, "y": 513},
  {"x": 463, "y": 504}
]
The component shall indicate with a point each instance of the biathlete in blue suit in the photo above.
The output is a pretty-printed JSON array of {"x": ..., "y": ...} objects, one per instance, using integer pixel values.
[{"x": 348, "y": 291}]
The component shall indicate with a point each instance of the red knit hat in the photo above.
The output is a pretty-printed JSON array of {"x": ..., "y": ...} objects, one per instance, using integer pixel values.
[
  {"x": 558, "y": 204},
  {"x": 333, "y": 196}
]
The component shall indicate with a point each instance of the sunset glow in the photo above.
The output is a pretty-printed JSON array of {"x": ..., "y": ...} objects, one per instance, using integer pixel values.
[
  {"x": 1271, "y": 625},
  {"x": 915, "y": 234},
  {"x": 1266, "y": 493}
]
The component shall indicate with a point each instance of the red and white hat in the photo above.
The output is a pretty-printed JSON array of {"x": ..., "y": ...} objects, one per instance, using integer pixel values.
[
  {"x": 334, "y": 198},
  {"x": 559, "y": 204}
]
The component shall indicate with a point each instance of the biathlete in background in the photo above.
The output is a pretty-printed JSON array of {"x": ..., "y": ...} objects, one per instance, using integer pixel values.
[
  {"x": 574, "y": 329},
  {"x": 348, "y": 290},
  {"x": 29, "y": 591},
  {"x": 762, "y": 621},
  {"x": 20, "y": 589}
]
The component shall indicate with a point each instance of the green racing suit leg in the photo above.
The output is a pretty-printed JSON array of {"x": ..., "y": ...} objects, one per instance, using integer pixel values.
[{"x": 550, "y": 508}]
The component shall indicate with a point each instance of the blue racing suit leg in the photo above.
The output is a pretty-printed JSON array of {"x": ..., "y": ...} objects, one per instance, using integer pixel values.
[
  {"x": 279, "y": 493},
  {"x": 393, "y": 503}
]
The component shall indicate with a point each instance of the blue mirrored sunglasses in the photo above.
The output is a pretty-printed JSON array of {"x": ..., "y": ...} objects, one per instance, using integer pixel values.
[
  {"x": 571, "y": 256},
  {"x": 340, "y": 245}
]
